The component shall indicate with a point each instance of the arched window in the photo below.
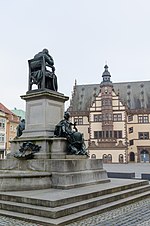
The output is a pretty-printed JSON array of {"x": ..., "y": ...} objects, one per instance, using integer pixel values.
[
  {"x": 109, "y": 158},
  {"x": 93, "y": 156},
  {"x": 121, "y": 158},
  {"x": 104, "y": 158}
]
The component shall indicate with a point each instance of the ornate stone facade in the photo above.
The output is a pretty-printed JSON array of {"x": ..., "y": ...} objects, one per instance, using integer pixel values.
[{"x": 114, "y": 118}]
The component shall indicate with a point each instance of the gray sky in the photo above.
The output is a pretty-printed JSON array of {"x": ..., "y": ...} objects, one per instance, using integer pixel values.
[{"x": 81, "y": 36}]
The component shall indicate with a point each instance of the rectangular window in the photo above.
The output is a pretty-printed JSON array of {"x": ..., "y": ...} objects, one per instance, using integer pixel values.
[
  {"x": 106, "y": 102},
  {"x": 100, "y": 134},
  {"x": 78, "y": 120},
  {"x": 98, "y": 118},
  {"x": 117, "y": 117},
  {"x": 2, "y": 123},
  {"x": 2, "y": 136},
  {"x": 107, "y": 134},
  {"x": 118, "y": 134},
  {"x": 96, "y": 135},
  {"x": 140, "y": 119},
  {"x": 103, "y": 134},
  {"x": 143, "y": 119},
  {"x": 131, "y": 142},
  {"x": 146, "y": 135},
  {"x": 130, "y": 118},
  {"x": 110, "y": 133},
  {"x": 143, "y": 135},
  {"x": 131, "y": 130},
  {"x": 95, "y": 118},
  {"x": 115, "y": 134}
]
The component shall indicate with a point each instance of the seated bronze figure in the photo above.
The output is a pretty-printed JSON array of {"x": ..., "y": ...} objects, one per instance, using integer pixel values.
[
  {"x": 75, "y": 139},
  {"x": 39, "y": 74}
]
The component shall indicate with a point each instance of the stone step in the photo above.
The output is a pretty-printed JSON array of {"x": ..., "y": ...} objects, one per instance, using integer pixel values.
[
  {"x": 69, "y": 199},
  {"x": 72, "y": 208},
  {"x": 13, "y": 180},
  {"x": 63, "y": 221}
]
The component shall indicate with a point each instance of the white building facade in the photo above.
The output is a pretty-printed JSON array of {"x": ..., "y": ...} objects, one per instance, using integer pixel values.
[{"x": 114, "y": 118}]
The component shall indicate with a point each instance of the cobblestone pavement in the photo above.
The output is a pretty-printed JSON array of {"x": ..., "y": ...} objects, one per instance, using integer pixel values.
[
  {"x": 136, "y": 214},
  {"x": 8, "y": 221}
]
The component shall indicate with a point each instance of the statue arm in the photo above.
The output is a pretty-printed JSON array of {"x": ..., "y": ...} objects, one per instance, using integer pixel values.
[{"x": 49, "y": 59}]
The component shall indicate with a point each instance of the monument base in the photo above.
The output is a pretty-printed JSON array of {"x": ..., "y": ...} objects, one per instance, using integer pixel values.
[
  {"x": 44, "y": 109},
  {"x": 65, "y": 173}
]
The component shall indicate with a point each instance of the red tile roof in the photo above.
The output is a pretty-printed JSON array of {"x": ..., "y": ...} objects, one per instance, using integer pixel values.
[{"x": 5, "y": 110}]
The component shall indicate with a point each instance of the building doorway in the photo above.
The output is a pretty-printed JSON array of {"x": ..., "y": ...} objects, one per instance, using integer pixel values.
[
  {"x": 144, "y": 156},
  {"x": 132, "y": 157}
]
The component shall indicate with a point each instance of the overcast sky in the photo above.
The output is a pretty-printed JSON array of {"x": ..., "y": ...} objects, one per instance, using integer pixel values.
[{"x": 81, "y": 36}]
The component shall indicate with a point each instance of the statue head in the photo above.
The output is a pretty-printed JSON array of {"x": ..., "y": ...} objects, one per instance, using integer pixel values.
[
  {"x": 66, "y": 115},
  {"x": 45, "y": 51}
]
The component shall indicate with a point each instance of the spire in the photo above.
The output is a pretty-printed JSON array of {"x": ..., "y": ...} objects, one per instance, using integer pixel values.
[{"x": 106, "y": 76}]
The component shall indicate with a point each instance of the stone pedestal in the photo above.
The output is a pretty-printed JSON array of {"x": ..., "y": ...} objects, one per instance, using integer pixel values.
[
  {"x": 59, "y": 148},
  {"x": 44, "y": 142},
  {"x": 51, "y": 147},
  {"x": 44, "y": 109}
]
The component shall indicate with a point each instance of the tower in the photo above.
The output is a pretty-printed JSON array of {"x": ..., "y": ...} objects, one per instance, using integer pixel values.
[{"x": 106, "y": 108}]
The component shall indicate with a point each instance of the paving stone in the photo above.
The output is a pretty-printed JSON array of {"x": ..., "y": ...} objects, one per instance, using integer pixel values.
[
  {"x": 136, "y": 214},
  {"x": 8, "y": 221}
]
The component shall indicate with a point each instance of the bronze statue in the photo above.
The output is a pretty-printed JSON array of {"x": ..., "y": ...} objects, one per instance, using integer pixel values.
[
  {"x": 48, "y": 59},
  {"x": 39, "y": 74},
  {"x": 27, "y": 150},
  {"x": 75, "y": 139},
  {"x": 20, "y": 127}
]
